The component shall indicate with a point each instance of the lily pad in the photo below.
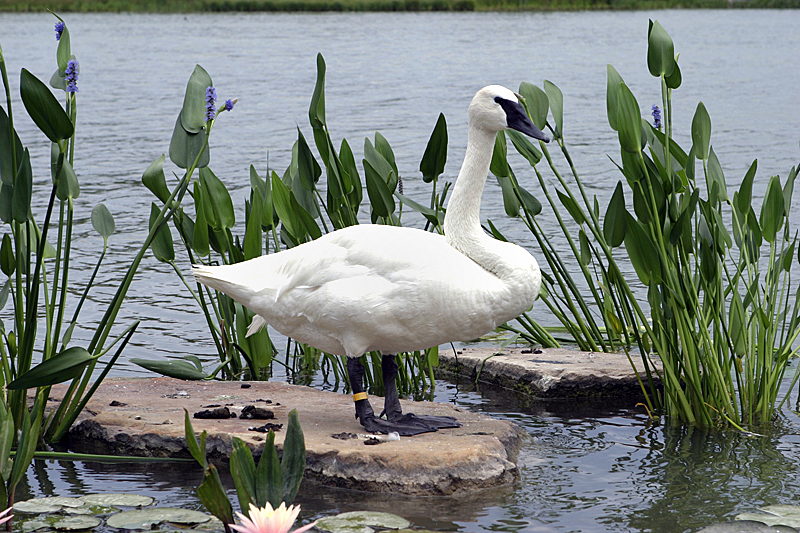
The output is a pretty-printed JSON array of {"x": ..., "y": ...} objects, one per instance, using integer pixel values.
[
  {"x": 47, "y": 505},
  {"x": 122, "y": 499},
  {"x": 775, "y": 515},
  {"x": 147, "y": 518},
  {"x": 359, "y": 522},
  {"x": 746, "y": 526},
  {"x": 34, "y": 525},
  {"x": 77, "y": 523}
]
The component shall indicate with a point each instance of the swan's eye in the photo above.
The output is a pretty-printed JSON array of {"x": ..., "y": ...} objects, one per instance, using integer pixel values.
[{"x": 497, "y": 99}]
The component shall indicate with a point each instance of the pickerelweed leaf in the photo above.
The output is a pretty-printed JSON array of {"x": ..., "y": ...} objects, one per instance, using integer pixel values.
[
  {"x": 162, "y": 245},
  {"x": 64, "y": 50},
  {"x": 23, "y": 186},
  {"x": 628, "y": 120},
  {"x": 536, "y": 102},
  {"x": 68, "y": 186},
  {"x": 308, "y": 170},
  {"x": 660, "y": 51},
  {"x": 219, "y": 199},
  {"x": 253, "y": 232},
  {"x": 61, "y": 367},
  {"x": 425, "y": 211},
  {"x": 614, "y": 222},
  {"x": 435, "y": 156},
  {"x": 642, "y": 252},
  {"x": 532, "y": 205},
  {"x": 281, "y": 196},
  {"x": 380, "y": 196},
  {"x": 674, "y": 80},
  {"x": 316, "y": 111},
  {"x": 184, "y": 147},
  {"x": 8, "y": 261},
  {"x": 44, "y": 109},
  {"x": 525, "y": 147},
  {"x": 383, "y": 147},
  {"x": 772, "y": 210},
  {"x": 174, "y": 368},
  {"x": 213, "y": 496},
  {"x": 586, "y": 252},
  {"x": 510, "y": 201},
  {"x": 572, "y": 207},
  {"x": 499, "y": 165},
  {"x": 10, "y": 152},
  {"x": 745, "y": 196},
  {"x": 193, "y": 112},
  {"x": 200, "y": 239},
  {"x": 556, "y": 100},
  {"x": 103, "y": 221},
  {"x": 701, "y": 132},
  {"x": 716, "y": 178},
  {"x": 154, "y": 179},
  {"x": 613, "y": 81}
]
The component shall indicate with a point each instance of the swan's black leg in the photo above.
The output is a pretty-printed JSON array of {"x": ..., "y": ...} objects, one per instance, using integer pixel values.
[{"x": 394, "y": 412}]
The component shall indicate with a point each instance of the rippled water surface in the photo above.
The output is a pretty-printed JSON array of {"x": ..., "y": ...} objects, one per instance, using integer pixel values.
[{"x": 599, "y": 469}]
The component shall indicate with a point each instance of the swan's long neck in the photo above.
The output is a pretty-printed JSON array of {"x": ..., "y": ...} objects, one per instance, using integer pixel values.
[{"x": 462, "y": 227}]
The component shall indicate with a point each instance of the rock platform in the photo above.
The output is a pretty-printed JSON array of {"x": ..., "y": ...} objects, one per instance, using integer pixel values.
[
  {"x": 145, "y": 417},
  {"x": 550, "y": 373}
]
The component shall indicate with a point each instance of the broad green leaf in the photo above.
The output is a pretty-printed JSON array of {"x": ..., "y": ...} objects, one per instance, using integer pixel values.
[
  {"x": 435, "y": 156},
  {"x": 425, "y": 211},
  {"x": 718, "y": 188},
  {"x": 8, "y": 261},
  {"x": 348, "y": 162},
  {"x": 788, "y": 189},
  {"x": 586, "y": 252},
  {"x": 68, "y": 186},
  {"x": 64, "y": 50},
  {"x": 153, "y": 178},
  {"x": 10, "y": 152},
  {"x": 536, "y": 102},
  {"x": 103, "y": 221},
  {"x": 572, "y": 207},
  {"x": 28, "y": 439},
  {"x": 44, "y": 109},
  {"x": 58, "y": 80},
  {"x": 7, "y": 434},
  {"x": 269, "y": 483},
  {"x": 381, "y": 165},
  {"x": 614, "y": 222},
  {"x": 253, "y": 233},
  {"x": 281, "y": 196},
  {"x": 660, "y": 51},
  {"x": 308, "y": 170},
  {"x": 316, "y": 111},
  {"x": 162, "y": 245},
  {"x": 628, "y": 120},
  {"x": 531, "y": 204},
  {"x": 184, "y": 147},
  {"x": 383, "y": 147},
  {"x": 262, "y": 189},
  {"x": 219, "y": 199},
  {"x": 701, "y": 132},
  {"x": 613, "y": 82},
  {"x": 193, "y": 113},
  {"x": 61, "y": 367},
  {"x": 23, "y": 185},
  {"x": 213, "y": 496},
  {"x": 674, "y": 80},
  {"x": 642, "y": 252},
  {"x": 524, "y": 146},
  {"x": 737, "y": 325},
  {"x": 556, "y": 100},
  {"x": 499, "y": 165},
  {"x": 174, "y": 368},
  {"x": 745, "y": 195},
  {"x": 243, "y": 471},
  {"x": 293, "y": 462},
  {"x": 196, "y": 450},
  {"x": 772, "y": 210},
  {"x": 380, "y": 196},
  {"x": 510, "y": 201},
  {"x": 200, "y": 240}
]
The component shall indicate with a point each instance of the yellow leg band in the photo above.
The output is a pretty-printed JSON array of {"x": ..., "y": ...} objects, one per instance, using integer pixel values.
[{"x": 360, "y": 396}]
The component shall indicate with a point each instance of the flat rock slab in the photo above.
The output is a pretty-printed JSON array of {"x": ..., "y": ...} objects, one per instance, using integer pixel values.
[
  {"x": 145, "y": 417},
  {"x": 551, "y": 373}
]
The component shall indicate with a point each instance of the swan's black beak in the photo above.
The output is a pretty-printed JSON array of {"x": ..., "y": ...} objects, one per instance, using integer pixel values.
[{"x": 517, "y": 119}]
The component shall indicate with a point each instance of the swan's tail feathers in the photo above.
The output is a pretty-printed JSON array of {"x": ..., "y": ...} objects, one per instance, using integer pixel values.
[
  {"x": 216, "y": 278},
  {"x": 257, "y": 323}
]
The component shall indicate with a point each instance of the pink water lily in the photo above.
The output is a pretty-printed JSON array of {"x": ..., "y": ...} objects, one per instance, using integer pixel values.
[
  {"x": 269, "y": 520},
  {"x": 4, "y": 518}
]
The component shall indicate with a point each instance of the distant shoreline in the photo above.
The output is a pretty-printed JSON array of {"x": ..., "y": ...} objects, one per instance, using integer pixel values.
[{"x": 186, "y": 6}]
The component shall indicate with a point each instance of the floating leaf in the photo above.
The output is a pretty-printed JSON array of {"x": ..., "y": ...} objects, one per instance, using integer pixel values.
[
  {"x": 147, "y": 518},
  {"x": 77, "y": 523},
  {"x": 121, "y": 499},
  {"x": 359, "y": 522}
]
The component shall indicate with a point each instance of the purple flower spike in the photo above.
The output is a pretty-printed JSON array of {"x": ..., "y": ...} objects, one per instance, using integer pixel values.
[
  {"x": 656, "y": 117},
  {"x": 59, "y": 30},
  {"x": 211, "y": 98},
  {"x": 71, "y": 76},
  {"x": 229, "y": 104}
]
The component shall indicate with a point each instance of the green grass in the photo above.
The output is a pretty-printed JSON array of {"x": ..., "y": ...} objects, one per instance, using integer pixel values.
[{"x": 181, "y": 6}]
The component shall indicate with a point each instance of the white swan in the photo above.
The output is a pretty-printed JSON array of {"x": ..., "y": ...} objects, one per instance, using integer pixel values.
[{"x": 395, "y": 289}]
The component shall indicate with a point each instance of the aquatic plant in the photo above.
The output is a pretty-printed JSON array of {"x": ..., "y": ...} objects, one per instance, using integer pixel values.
[{"x": 269, "y": 520}]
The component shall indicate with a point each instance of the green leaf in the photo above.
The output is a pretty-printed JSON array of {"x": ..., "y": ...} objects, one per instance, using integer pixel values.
[
  {"x": 193, "y": 112},
  {"x": 8, "y": 261},
  {"x": 162, "y": 245},
  {"x": 499, "y": 165},
  {"x": 61, "y": 367},
  {"x": 269, "y": 483},
  {"x": 613, "y": 81},
  {"x": 196, "y": 449},
  {"x": 586, "y": 252},
  {"x": 174, "y": 368},
  {"x": 153, "y": 178},
  {"x": 281, "y": 196},
  {"x": 510, "y": 200},
  {"x": 293, "y": 462},
  {"x": 628, "y": 120},
  {"x": 243, "y": 472},
  {"x": 614, "y": 222},
  {"x": 524, "y": 146},
  {"x": 642, "y": 252},
  {"x": 219, "y": 200},
  {"x": 745, "y": 196},
  {"x": 7, "y": 434},
  {"x": 660, "y": 51},
  {"x": 536, "y": 102},
  {"x": 68, "y": 186},
  {"x": 212, "y": 494},
  {"x": 701, "y": 132},
  {"x": 103, "y": 221},
  {"x": 44, "y": 109},
  {"x": 572, "y": 207},
  {"x": 184, "y": 147},
  {"x": 435, "y": 156},
  {"x": 718, "y": 188},
  {"x": 674, "y": 80},
  {"x": 425, "y": 211},
  {"x": 380, "y": 196},
  {"x": 556, "y": 100},
  {"x": 29, "y": 433},
  {"x": 381, "y": 165},
  {"x": 383, "y": 147},
  {"x": 316, "y": 111},
  {"x": 253, "y": 233},
  {"x": 263, "y": 188},
  {"x": 200, "y": 241},
  {"x": 348, "y": 162},
  {"x": 531, "y": 204},
  {"x": 64, "y": 50},
  {"x": 308, "y": 170},
  {"x": 23, "y": 185},
  {"x": 10, "y": 152},
  {"x": 772, "y": 210}
]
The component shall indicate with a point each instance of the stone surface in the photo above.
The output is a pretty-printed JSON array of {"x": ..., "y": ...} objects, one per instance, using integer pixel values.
[
  {"x": 147, "y": 419},
  {"x": 555, "y": 373}
]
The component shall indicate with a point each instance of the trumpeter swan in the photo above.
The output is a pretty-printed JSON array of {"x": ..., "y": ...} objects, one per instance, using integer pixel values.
[{"x": 396, "y": 289}]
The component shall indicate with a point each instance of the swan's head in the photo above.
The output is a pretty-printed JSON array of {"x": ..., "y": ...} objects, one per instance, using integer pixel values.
[{"x": 496, "y": 108}]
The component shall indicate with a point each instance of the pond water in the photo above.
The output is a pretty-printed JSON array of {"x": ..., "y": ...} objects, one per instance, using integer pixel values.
[{"x": 598, "y": 468}]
